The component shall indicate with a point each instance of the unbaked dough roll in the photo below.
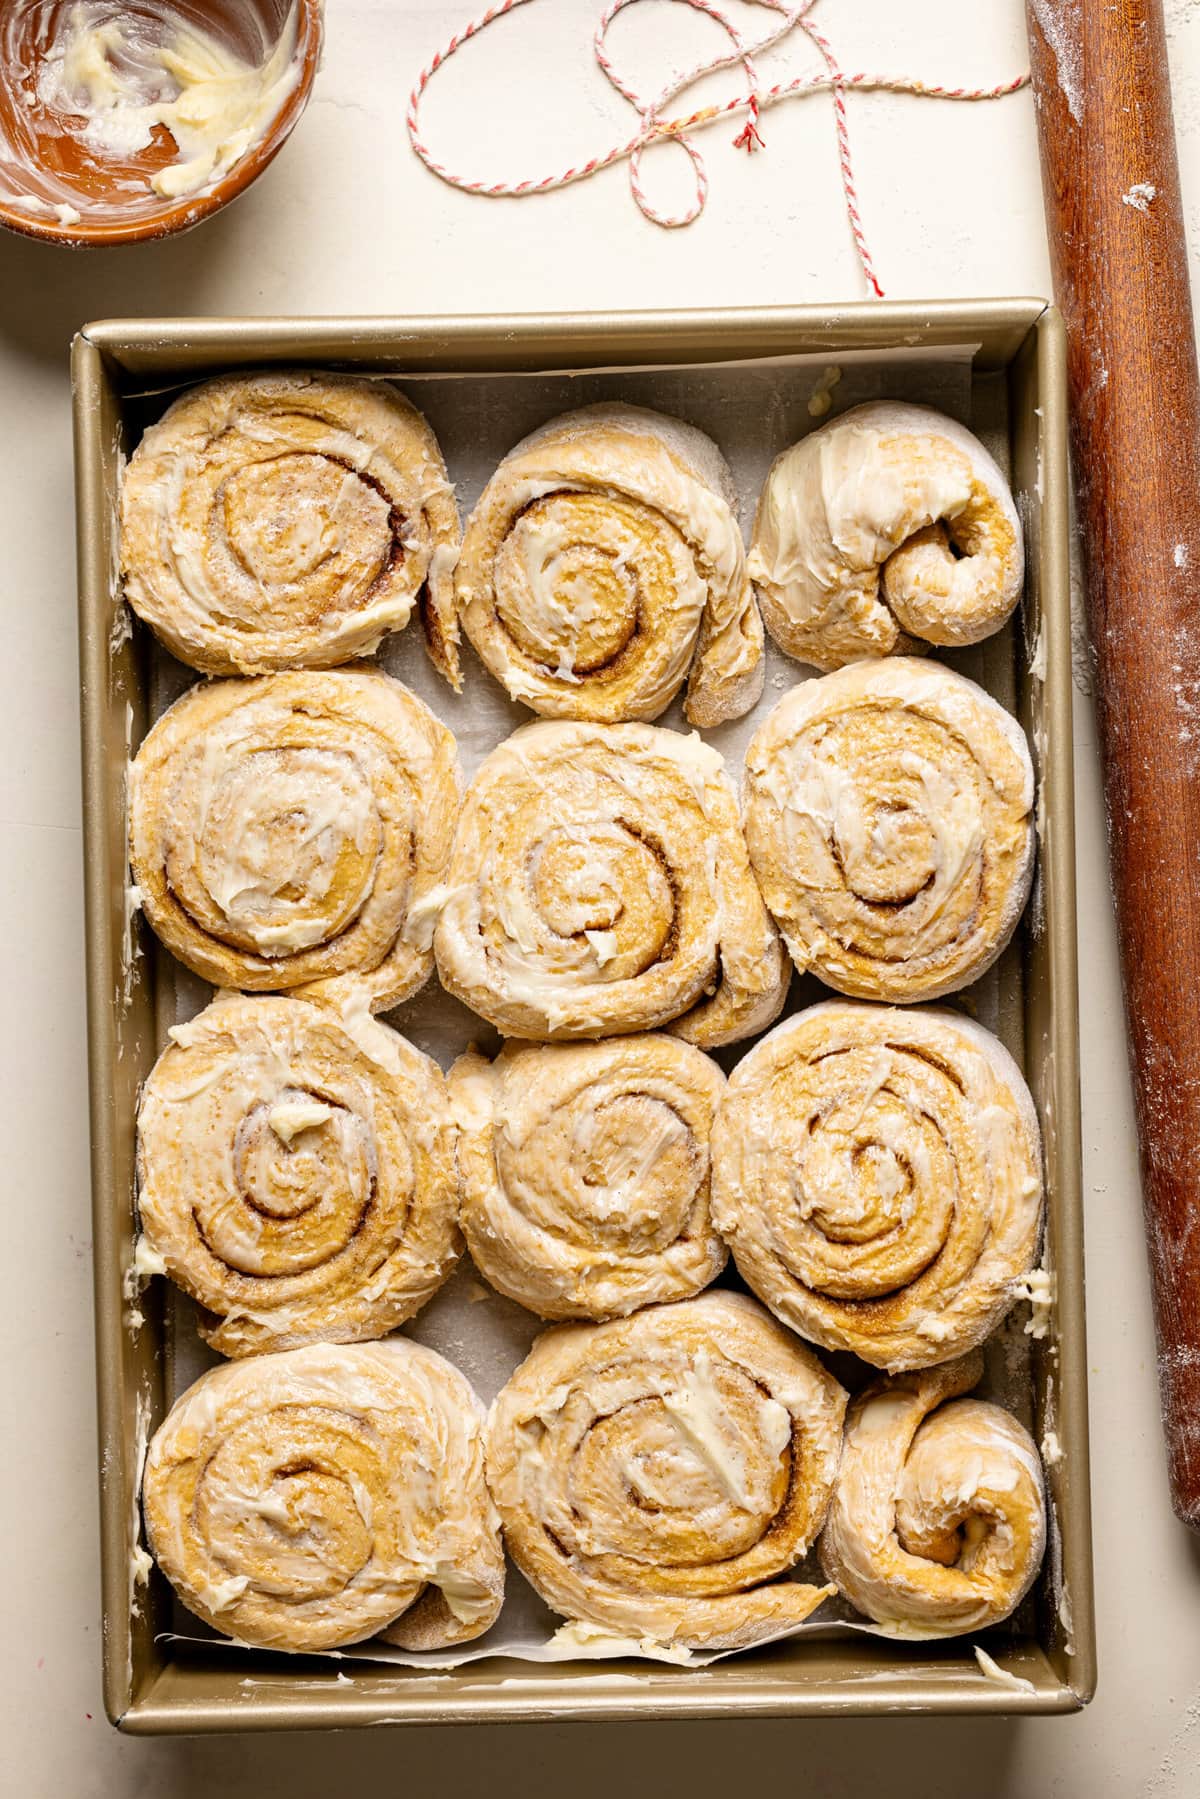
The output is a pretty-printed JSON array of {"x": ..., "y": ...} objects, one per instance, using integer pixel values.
[
  {"x": 306, "y": 1500},
  {"x": 297, "y": 1173},
  {"x": 599, "y": 884},
  {"x": 289, "y": 520},
  {"x": 887, "y": 524},
  {"x": 289, "y": 830},
  {"x": 603, "y": 560},
  {"x": 659, "y": 1476},
  {"x": 584, "y": 1172},
  {"x": 889, "y": 816},
  {"x": 877, "y": 1173},
  {"x": 938, "y": 1521}
]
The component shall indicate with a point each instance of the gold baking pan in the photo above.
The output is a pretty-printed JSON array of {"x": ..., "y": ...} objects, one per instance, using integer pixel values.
[{"x": 1012, "y": 357}]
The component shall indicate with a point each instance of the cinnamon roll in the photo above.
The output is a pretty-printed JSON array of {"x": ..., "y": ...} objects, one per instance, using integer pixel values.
[
  {"x": 888, "y": 524},
  {"x": 938, "y": 1520},
  {"x": 584, "y": 1172},
  {"x": 889, "y": 817},
  {"x": 289, "y": 830},
  {"x": 297, "y": 1173},
  {"x": 602, "y": 562},
  {"x": 599, "y": 884},
  {"x": 288, "y": 519},
  {"x": 660, "y": 1475},
  {"x": 877, "y": 1174},
  {"x": 306, "y": 1500}
]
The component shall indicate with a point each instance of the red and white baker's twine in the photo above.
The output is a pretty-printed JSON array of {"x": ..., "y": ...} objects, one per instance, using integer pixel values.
[{"x": 655, "y": 126}]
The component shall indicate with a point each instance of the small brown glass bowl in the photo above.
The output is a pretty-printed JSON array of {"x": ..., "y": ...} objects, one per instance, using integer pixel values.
[{"x": 56, "y": 166}]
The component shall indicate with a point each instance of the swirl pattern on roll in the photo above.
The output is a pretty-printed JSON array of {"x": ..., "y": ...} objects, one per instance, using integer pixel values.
[
  {"x": 297, "y": 1173},
  {"x": 889, "y": 816},
  {"x": 938, "y": 1520},
  {"x": 659, "y": 1475},
  {"x": 877, "y": 1174},
  {"x": 289, "y": 519},
  {"x": 599, "y": 884},
  {"x": 307, "y": 1500},
  {"x": 604, "y": 559},
  {"x": 584, "y": 1172},
  {"x": 888, "y": 524},
  {"x": 289, "y": 830}
]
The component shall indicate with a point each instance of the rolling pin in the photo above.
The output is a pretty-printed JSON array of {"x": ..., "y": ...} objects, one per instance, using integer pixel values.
[{"x": 1119, "y": 259}]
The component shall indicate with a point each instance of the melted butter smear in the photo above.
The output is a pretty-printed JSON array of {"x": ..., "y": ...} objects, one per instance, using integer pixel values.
[{"x": 126, "y": 77}]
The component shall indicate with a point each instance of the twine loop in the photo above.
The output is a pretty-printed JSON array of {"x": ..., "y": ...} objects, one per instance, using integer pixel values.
[{"x": 657, "y": 125}]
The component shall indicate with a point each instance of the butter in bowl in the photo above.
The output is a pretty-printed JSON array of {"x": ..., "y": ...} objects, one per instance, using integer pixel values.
[{"x": 122, "y": 122}]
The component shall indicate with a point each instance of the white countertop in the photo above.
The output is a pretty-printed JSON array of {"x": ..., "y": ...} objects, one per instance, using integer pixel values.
[{"x": 348, "y": 221}]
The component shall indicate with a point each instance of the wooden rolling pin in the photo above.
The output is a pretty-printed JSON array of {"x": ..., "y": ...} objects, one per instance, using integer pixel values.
[{"x": 1121, "y": 278}]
